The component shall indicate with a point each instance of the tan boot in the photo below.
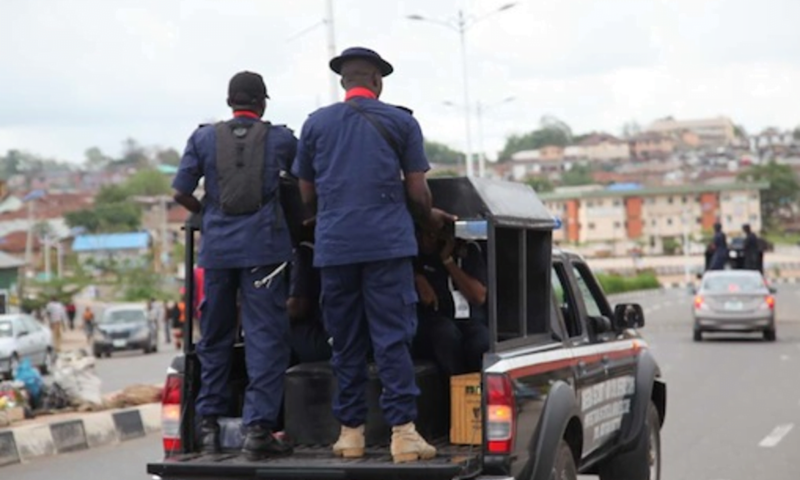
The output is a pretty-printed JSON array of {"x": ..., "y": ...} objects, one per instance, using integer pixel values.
[
  {"x": 350, "y": 443},
  {"x": 409, "y": 446}
]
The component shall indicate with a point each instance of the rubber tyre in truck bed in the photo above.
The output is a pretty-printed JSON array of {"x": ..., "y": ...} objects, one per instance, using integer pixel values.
[{"x": 318, "y": 463}]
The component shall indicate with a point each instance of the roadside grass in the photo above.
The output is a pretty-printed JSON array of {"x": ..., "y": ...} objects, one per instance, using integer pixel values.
[{"x": 614, "y": 283}]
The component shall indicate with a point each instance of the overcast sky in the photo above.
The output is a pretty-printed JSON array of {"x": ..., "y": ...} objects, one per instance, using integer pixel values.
[{"x": 81, "y": 73}]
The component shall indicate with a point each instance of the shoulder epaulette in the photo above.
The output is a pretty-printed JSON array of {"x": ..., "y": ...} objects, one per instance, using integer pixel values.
[{"x": 405, "y": 109}]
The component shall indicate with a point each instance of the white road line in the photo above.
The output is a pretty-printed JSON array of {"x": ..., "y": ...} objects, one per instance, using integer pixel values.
[{"x": 776, "y": 436}]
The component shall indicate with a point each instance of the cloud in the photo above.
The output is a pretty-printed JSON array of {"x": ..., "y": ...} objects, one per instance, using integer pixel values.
[{"x": 77, "y": 73}]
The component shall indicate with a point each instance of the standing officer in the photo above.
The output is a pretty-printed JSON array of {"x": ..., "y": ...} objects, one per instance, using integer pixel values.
[
  {"x": 245, "y": 240},
  {"x": 752, "y": 249},
  {"x": 361, "y": 167},
  {"x": 719, "y": 247}
]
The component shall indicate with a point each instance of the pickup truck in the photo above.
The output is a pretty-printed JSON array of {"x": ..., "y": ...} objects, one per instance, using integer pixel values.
[{"x": 569, "y": 386}]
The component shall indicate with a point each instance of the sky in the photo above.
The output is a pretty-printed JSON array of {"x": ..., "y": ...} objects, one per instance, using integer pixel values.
[{"x": 82, "y": 73}]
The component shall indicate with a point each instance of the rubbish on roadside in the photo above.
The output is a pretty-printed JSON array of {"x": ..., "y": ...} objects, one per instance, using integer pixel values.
[
  {"x": 54, "y": 398},
  {"x": 74, "y": 372},
  {"x": 31, "y": 379},
  {"x": 13, "y": 402},
  {"x": 135, "y": 395}
]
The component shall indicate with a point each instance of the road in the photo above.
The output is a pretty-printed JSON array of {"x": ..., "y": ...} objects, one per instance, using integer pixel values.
[
  {"x": 732, "y": 413},
  {"x": 128, "y": 368}
]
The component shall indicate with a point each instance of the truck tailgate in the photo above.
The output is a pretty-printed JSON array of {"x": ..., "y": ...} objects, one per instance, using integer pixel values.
[{"x": 319, "y": 464}]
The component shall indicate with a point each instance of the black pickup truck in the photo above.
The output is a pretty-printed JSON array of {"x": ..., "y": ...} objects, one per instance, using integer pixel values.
[{"x": 568, "y": 386}]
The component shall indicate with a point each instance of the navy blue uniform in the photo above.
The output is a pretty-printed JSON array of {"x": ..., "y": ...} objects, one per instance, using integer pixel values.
[
  {"x": 364, "y": 246},
  {"x": 309, "y": 340},
  {"x": 719, "y": 256},
  {"x": 456, "y": 345},
  {"x": 236, "y": 251}
]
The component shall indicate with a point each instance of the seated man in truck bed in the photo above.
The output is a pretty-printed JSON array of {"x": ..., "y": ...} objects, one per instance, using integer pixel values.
[
  {"x": 451, "y": 283},
  {"x": 308, "y": 338}
]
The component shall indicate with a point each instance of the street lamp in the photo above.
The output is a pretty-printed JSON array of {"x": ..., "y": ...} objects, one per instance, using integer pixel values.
[
  {"x": 461, "y": 24},
  {"x": 331, "y": 44},
  {"x": 480, "y": 109}
]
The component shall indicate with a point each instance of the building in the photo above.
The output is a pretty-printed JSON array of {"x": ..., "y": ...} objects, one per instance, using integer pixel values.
[
  {"x": 9, "y": 273},
  {"x": 603, "y": 147},
  {"x": 711, "y": 132},
  {"x": 119, "y": 248},
  {"x": 648, "y": 216}
]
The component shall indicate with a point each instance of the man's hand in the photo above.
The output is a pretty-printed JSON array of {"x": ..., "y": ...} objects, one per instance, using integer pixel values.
[
  {"x": 448, "y": 247},
  {"x": 427, "y": 296},
  {"x": 437, "y": 220}
]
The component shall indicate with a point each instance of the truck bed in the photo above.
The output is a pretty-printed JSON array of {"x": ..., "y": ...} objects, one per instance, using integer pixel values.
[{"x": 452, "y": 461}]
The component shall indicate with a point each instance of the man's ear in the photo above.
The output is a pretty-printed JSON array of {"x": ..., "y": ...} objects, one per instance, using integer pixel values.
[{"x": 341, "y": 82}]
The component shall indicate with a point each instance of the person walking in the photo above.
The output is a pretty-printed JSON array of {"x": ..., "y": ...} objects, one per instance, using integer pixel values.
[
  {"x": 361, "y": 166},
  {"x": 246, "y": 245},
  {"x": 88, "y": 324},
  {"x": 57, "y": 319}
]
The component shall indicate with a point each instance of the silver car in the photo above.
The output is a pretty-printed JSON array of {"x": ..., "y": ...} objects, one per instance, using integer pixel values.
[
  {"x": 734, "y": 301},
  {"x": 124, "y": 327},
  {"x": 24, "y": 337}
]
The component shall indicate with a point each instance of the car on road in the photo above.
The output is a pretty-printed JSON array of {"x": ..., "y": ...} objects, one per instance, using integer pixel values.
[
  {"x": 24, "y": 337},
  {"x": 569, "y": 385},
  {"x": 734, "y": 301},
  {"x": 124, "y": 327}
]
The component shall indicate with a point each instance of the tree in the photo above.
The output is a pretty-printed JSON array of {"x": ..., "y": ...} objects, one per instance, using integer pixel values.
[
  {"x": 147, "y": 182},
  {"x": 740, "y": 132},
  {"x": 95, "y": 158},
  {"x": 577, "y": 175},
  {"x": 551, "y": 132},
  {"x": 796, "y": 133},
  {"x": 10, "y": 164},
  {"x": 170, "y": 156},
  {"x": 540, "y": 184},
  {"x": 778, "y": 201},
  {"x": 111, "y": 194},
  {"x": 631, "y": 129},
  {"x": 133, "y": 154},
  {"x": 442, "y": 154}
]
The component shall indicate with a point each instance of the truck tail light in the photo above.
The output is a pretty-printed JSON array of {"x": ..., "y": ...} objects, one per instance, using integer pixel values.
[
  {"x": 171, "y": 414},
  {"x": 770, "y": 301},
  {"x": 500, "y": 414}
]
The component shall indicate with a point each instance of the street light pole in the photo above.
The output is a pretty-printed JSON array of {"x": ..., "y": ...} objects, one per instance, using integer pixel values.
[
  {"x": 465, "y": 81},
  {"x": 334, "y": 86}
]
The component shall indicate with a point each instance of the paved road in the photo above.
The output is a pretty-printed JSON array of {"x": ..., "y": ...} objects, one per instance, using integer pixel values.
[
  {"x": 128, "y": 368},
  {"x": 733, "y": 403}
]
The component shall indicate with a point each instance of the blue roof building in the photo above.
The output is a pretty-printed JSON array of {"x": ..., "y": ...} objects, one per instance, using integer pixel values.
[{"x": 111, "y": 242}]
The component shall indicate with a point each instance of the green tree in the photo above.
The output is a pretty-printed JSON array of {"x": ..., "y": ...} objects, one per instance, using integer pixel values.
[
  {"x": 118, "y": 217},
  {"x": 85, "y": 218},
  {"x": 134, "y": 154},
  {"x": 578, "y": 175},
  {"x": 551, "y": 132},
  {"x": 442, "y": 154},
  {"x": 778, "y": 201},
  {"x": 147, "y": 182},
  {"x": 540, "y": 184},
  {"x": 169, "y": 156},
  {"x": 95, "y": 158}
]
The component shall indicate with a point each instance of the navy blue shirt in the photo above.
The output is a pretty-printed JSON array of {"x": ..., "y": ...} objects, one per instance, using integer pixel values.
[
  {"x": 361, "y": 201},
  {"x": 432, "y": 268},
  {"x": 238, "y": 241}
]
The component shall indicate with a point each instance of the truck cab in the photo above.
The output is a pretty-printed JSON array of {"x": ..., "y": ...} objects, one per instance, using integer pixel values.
[{"x": 568, "y": 386}]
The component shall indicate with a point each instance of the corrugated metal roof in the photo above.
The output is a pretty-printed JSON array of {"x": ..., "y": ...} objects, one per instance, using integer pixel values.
[
  {"x": 7, "y": 261},
  {"x": 111, "y": 241}
]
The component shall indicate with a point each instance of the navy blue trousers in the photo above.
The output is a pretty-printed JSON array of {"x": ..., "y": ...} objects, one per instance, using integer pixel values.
[
  {"x": 456, "y": 346},
  {"x": 266, "y": 338},
  {"x": 372, "y": 301}
]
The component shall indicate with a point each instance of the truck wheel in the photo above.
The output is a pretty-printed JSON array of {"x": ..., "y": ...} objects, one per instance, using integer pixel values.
[
  {"x": 644, "y": 461},
  {"x": 564, "y": 467},
  {"x": 698, "y": 335}
]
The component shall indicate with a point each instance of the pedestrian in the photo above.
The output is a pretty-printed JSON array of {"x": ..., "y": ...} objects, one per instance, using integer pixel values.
[
  {"x": 57, "y": 319},
  {"x": 361, "y": 166},
  {"x": 176, "y": 325},
  {"x": 752, "y": 249},
  {"x": 166, "y": 322},
  {"x": 246, "y": 245},
  {"x": 88, "y": 323},
  {"x": 719, "y": 249},
  {"x": 71, "y": 312}
]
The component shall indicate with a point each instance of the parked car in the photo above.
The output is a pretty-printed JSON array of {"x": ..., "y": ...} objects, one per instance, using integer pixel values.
[
  {"x": 569, "y": 386},
  {"x": 124, "y": 327},
  {"x": 21, "y": 337},
  {"x": 734, "y": 301}
]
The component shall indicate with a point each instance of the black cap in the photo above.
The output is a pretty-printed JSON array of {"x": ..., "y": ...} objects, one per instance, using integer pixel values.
[
  {"x": 246, "y": 88},
  {"x": 364, "y": 54}
]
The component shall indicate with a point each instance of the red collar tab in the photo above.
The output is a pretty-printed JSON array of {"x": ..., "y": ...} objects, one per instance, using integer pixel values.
[
  {"x": 359, "y": 92},
  {"x": 245, "y": 113}
]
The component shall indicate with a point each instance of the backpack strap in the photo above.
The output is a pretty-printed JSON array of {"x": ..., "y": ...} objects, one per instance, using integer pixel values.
[{"x": 379, "y": 127}]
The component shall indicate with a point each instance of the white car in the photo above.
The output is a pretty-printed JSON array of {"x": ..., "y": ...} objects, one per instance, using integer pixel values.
[{"x": 21, "y": 337}]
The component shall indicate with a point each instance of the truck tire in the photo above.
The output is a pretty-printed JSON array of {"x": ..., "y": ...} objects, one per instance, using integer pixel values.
[
  {"x": 644, "y": 461},
  {"x": 564, "y": 466},
  {"x": 769, "y": 335}
]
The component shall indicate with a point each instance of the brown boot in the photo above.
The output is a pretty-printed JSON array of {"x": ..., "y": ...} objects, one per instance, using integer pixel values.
[
  {"x": 409, "y": 446},
  {"x": 350, "y": 443}
]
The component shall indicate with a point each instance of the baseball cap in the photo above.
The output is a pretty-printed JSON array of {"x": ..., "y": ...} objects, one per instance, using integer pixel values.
[{"x": 246, "y": 88}]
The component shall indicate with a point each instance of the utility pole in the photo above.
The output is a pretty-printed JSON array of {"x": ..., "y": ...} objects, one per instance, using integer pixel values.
[
  {"x": 465, "y": 80},
  {"x": 334, "y": 85}
]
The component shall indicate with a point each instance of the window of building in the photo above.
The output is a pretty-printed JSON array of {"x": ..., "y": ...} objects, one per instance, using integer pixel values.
[
  {"x": 653, "y": 222},
  {"x": 669, "y": 221},
  {"x": 589, "y": 204},
  {"x": 670, "y": 200},
  {"x": 729, "y": 219},
  {"x": 617, "y": 224},
  {"x": 617, "y": 203},
  {"x": 591, "y": 226},
  {"x": 753, "y": 218},
  {"x": 699, "y": 220},
  {"x": 684, "y": 199}
]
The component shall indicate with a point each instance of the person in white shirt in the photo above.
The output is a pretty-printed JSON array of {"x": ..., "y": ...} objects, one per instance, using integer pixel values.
[{"x": 57, "y": 318}]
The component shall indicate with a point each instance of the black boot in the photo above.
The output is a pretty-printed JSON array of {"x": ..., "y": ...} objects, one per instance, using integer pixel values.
[
  {"x": 259, "y": 443},
  {"x": 209, "y": 435}
]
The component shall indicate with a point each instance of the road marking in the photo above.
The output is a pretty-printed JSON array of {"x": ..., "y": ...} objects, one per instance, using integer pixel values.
[{"x": 776, "y": 436}]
